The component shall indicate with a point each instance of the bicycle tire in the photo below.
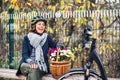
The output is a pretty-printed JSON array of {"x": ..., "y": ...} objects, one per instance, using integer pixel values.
[{"x": 78, "y": 74}]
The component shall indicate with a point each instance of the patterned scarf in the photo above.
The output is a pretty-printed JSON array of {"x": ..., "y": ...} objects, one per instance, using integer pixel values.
[{"x": 37, "y": 42}]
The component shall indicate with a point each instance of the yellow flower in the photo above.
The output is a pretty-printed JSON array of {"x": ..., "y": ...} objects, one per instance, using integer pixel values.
[
  {"x": 71, "y": 55},
  {"x": 62, "y": 2}
]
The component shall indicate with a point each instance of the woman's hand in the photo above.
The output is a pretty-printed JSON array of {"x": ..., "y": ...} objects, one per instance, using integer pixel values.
[
  {"x": 34, "y": 65},
  {"x": 60, "y": 45}
]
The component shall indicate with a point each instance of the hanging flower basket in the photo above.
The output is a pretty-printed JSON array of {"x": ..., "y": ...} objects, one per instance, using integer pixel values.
[{"x": 60, "y": 61}]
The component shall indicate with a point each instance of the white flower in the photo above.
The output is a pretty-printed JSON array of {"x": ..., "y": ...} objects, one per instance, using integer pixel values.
[
  {"x": 69, "y": 52},
  {"x": 52, "y": 59},
  {"x": 53, "y": 54},
  {"x": 67, "y": 55},
  {"x": 65, "y": 52},
  {"x": 61, "y": 54},
  {"x": 55, "y": 51}
]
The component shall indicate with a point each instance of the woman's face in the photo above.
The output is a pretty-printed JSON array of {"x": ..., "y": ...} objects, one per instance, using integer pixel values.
[{"x": 40, "y": 27}]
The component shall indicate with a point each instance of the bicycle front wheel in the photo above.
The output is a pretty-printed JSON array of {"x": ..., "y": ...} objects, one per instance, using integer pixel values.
[{"x": 78, "y": 74}]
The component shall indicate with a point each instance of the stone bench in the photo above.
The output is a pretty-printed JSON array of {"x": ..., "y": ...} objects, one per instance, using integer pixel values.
[{"x": 10, "y": 74}]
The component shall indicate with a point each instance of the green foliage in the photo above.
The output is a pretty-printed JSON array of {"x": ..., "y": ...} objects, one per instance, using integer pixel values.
[{"x": 14, "y": 64}]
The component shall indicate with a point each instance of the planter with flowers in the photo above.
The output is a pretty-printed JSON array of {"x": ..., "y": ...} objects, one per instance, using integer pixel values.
[{"x": 60, "y": 61}]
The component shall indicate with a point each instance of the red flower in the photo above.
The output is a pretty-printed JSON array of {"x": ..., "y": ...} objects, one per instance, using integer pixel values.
[{"x": 52, "y": 50}]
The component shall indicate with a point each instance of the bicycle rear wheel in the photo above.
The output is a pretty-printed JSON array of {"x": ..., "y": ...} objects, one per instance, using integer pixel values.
[{"x": 78, "y": 74}]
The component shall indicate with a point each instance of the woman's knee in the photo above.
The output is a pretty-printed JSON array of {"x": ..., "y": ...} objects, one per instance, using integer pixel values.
[{"x": 25, "y": 68}]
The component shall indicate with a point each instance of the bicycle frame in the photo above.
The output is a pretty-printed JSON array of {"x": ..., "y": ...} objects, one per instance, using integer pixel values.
[
  {"x": 93, "y": 56},
  {"x": 97, "y": 59}
]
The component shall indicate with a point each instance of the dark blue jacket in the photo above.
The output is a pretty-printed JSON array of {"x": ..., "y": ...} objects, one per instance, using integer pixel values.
[{"x": 27, "y": 50}]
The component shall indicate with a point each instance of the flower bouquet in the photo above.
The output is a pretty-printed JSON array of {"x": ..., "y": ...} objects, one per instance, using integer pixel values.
[
  {"x": 60, "y": 61},
  {"x": 64, "y": 54}
]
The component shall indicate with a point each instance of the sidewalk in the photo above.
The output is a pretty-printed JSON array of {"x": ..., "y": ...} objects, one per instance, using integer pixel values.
[
  {"x": 93, "y": 79},
  {"x": 113, "y": 78},
  {"x": 81, "y": 78}
]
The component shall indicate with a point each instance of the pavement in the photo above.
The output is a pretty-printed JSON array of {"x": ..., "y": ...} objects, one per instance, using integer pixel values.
[
  {"x": 95, "y": 79},
  {"x": 76, "y": 78},
  {"x": 81, "y": 78},
  {"x": 113, "y": 78},
  {"x": 48, "y": 78}
]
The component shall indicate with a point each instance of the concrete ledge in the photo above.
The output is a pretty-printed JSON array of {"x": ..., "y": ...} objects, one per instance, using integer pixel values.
[{"x": 10, "y": 74}]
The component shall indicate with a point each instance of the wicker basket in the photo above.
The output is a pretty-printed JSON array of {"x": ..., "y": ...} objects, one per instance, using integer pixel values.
[{"x": 58, "y": 68}]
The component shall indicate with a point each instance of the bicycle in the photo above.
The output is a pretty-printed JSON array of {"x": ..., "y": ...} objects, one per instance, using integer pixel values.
[{"x": 86, "y": 73}]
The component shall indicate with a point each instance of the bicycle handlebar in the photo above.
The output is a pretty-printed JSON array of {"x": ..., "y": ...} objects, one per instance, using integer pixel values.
[{"x": 87, "y": 38}]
